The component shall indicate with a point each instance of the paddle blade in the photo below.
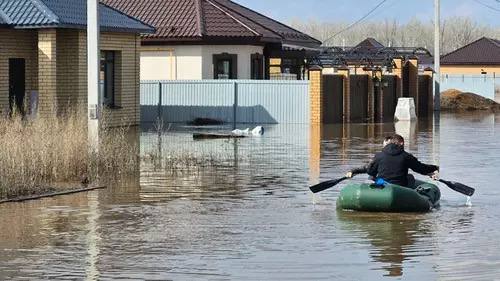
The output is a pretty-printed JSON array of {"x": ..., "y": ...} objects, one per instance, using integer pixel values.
[
  {"x": 325, "y": 185},
  {"x": 459, "y": 187}
]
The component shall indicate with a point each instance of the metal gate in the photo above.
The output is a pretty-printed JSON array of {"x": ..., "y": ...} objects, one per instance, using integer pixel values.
[
  {"x": 406, "y": 80},
  {"x": 359, "y": 98},
  {"x": 333, "y": 99},
  {"x": 424, "y": 96},
  {"x": 387, "y": 100}
]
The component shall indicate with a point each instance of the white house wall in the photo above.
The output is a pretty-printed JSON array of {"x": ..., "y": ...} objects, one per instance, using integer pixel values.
[
  {"x": 171, "y": 62},
  {"x": 191, "y": 62},
  {"x": 244, "y": 58}
]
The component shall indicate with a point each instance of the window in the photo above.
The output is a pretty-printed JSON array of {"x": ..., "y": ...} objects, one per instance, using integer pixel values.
[
  {"x": 257, "y": 65},
  {"x": 225, "y": 66},
  {"x": 107, "y": 77}
]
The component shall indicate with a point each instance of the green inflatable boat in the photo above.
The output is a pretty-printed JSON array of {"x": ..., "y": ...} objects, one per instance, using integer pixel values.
[{"x": 389, "y": 197}]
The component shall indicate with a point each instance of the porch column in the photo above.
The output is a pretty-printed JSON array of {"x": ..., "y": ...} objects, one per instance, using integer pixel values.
[
  {"x": 344, "y": 71},
  {"x": 47, "y": 72}
]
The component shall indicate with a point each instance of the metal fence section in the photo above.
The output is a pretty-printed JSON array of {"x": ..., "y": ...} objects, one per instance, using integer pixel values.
[
  {"x": 483, "y": 85},
  {"x": 249, "y": 101}
]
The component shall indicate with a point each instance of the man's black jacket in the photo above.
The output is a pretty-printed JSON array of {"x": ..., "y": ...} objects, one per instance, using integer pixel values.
[{"x": 392, "y": 165}]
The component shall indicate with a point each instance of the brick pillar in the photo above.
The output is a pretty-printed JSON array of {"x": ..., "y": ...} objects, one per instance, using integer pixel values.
[
  {"x": 316, "y": 94},
  {"x": 398, "y": 72},
  {"x": 47, "y": 71},
  {"x": 315, "y": 131},
  {"x": 316, "y": 111},
  {"x": 347, "y": 94},
  {"x": 413, "y": 81},
  {"x": 429, "y": 72}
]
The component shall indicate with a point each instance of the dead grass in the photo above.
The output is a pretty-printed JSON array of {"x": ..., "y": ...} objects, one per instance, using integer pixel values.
[{"x": 35, "y": 155}]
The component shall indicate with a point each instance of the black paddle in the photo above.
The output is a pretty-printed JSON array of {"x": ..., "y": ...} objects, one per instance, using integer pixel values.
[
  {"x": 326, "y": 185},
  {"x": 459, "y": 187}
]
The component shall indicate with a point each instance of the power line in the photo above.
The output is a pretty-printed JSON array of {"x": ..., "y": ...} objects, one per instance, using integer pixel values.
[
  {"x": 488, "y": 6},
  {"x": 358, "y": 21}
]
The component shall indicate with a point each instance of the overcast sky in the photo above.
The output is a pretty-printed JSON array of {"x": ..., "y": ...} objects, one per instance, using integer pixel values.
[{"x": 351, "y": 10}]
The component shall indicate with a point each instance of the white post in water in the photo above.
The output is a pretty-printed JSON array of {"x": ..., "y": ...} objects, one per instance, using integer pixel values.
[
  {"x": 93, "y": 60},
  {"x": 405, "y": 110},
  {"x": 437, "y": 54}
]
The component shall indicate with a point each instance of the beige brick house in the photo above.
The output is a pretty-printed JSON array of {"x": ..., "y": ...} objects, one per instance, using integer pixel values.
[{"x": 43, "y": 60}]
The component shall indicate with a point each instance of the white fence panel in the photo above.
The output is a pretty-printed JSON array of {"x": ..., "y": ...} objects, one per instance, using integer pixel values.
[{"x": 251, "y": 101}]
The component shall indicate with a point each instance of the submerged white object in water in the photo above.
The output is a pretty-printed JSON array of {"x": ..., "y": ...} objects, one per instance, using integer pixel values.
[
  {"x": 469, "y": 202},
  {"x": 257, "y": 131},
  {"x": 239, "y": 132},
  {"x": 405, "y": 110}
]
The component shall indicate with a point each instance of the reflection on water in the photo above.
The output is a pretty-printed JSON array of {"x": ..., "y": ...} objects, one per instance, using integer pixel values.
[
  {"x": 251, "y": 217},
  {"x": 393, "y": 237}
]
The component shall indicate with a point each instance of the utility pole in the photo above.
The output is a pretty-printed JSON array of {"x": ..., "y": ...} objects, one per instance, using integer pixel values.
[
  {"x": 93, "y": 67},
  {"x": 437, "y": 54}
]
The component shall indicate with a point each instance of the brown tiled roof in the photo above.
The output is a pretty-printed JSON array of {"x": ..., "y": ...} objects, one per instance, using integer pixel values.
[
  {"x": 485, "y": 51},
  {"x": 205, "y": 20},
  {"x": 369, "y": 44}
]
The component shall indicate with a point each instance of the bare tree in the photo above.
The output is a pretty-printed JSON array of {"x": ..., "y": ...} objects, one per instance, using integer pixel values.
[{"x": 455, "y": 32}]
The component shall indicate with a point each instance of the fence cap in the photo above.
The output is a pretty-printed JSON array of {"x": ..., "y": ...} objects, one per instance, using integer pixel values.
[
  {"x": 315, "y": 67},
  {"x": 429, "y": 69}
]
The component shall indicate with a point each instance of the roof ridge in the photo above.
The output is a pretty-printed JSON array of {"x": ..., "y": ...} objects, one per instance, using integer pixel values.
[
  {"x": 40, "y": 5},
  {"x": 235, "y": 19},
  {"x": 494, "y": 41},
  {"x": 269, "y": 18},
  {"x": 467, "y": 45},
  {"x": 199, "y": 19}
]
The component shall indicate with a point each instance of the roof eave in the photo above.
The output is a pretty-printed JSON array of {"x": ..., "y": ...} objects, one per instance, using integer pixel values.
[{"x": 79, "y": 26}]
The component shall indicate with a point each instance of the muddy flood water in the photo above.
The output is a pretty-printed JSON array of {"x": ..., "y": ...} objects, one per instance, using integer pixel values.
[{"x": 252, "y": 217}]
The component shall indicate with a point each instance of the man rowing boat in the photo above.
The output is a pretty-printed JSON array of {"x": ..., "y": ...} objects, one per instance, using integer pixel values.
[{"x": 393, "y": 162}]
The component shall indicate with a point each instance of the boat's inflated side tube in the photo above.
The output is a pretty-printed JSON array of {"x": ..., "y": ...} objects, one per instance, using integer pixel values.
[{"x": 389, "y": 197}]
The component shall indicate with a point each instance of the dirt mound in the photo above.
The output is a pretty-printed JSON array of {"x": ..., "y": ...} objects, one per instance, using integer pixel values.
[{"x": 455, "y": 100}]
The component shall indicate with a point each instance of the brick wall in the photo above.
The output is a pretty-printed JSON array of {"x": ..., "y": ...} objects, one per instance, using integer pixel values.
[
  {"x": 56, "y": 67},
  {"x": 47, "y": 71},
  {"x": 72, "y": 75},
  {"x": 17, "y": 44}
]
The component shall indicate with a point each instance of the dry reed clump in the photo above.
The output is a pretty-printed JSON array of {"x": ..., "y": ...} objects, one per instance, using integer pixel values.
[{"x": 36, "y": 154}]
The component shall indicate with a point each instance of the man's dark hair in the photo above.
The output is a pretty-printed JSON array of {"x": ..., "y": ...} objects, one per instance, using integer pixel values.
[
  {"x": 388, "y": 138},
  {"x": 397, "y": 139}
]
